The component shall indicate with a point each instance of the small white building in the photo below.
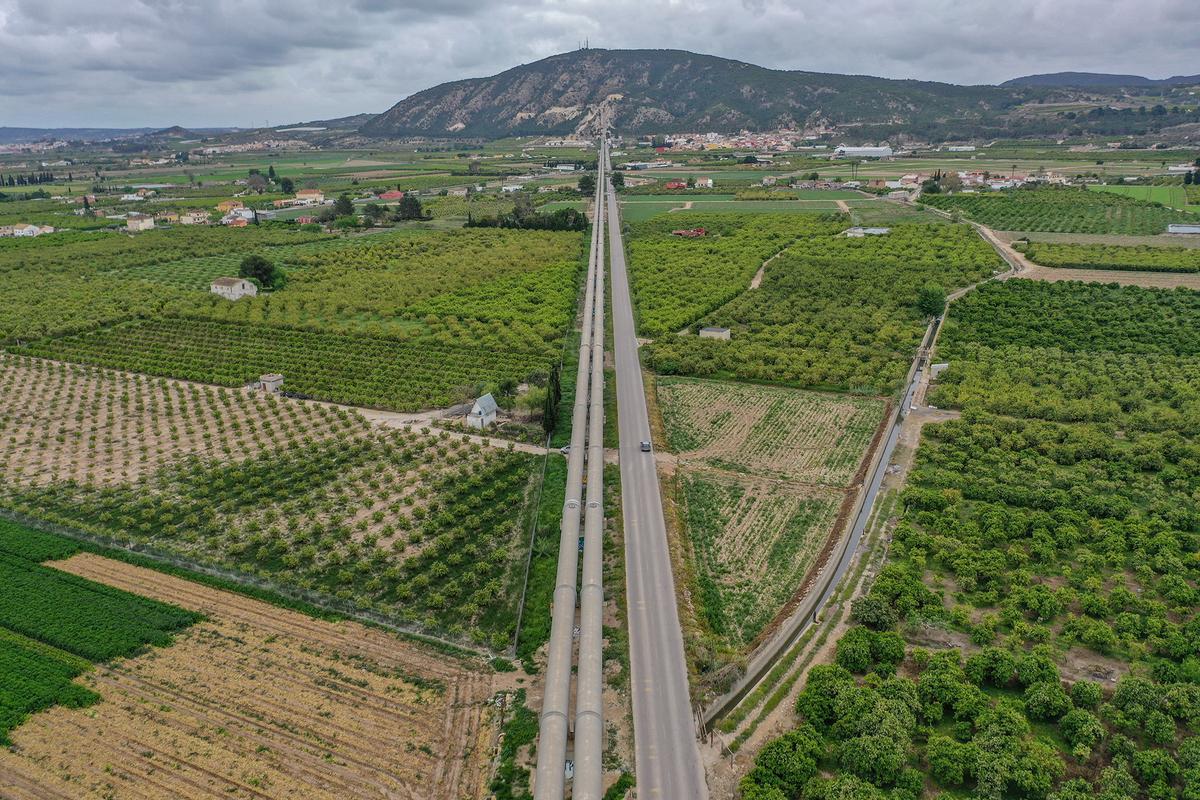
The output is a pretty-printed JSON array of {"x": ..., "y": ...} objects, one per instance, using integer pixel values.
[
  {"x": 233, "y": 288},
  {"x": 271, "y": 382},
  {"x": 483, "y": 412},
  {"x": 704, "y": 183},
  {"x": 842, "y": 151},
  {"x": 858, "y": 233},
  {"x": 139, "y": 222},
  {"x": 1183, "y": 228},
  {"x": 713, "y": 332},
  {"x": 512, "y": 187}
]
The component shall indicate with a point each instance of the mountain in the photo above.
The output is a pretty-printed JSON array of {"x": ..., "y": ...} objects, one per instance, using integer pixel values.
[
  {"x": 656, "y": 90},
  {"x": 1099, "y": 80}
]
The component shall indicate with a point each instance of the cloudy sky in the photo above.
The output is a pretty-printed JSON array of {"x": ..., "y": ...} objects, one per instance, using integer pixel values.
[{"x": 248, "y": 62}]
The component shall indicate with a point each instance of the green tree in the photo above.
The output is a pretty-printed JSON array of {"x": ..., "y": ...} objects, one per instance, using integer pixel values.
[
  {"x": 618, "y": 180},
  {"x": 343, "y": 206},
  {"x": 287, "y": 185},
  {"x": 931, "y": 300},
  {"x": 951, "y": 763},
  {"x": 789, "y": 762},
  {"x": 1046, "y": 700},
  {"x": 587, "y": 183},
  {"x": 409, "y": 208},
  {"x": 263, "y": 272}
]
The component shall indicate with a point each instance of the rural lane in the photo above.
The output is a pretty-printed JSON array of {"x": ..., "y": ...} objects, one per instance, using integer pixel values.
[{"x": 667, "y": 756}]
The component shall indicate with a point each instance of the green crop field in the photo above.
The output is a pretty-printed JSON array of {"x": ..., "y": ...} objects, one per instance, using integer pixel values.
[
  {"x": 341, "y": 368},
  {"x": 1061, "y": 210},
  {"x": 1170, "y": 196},
  {"x": 1096, "y": 256},
  {"x": 403, "y": 307},
  {"x": 677, "y": 279}
]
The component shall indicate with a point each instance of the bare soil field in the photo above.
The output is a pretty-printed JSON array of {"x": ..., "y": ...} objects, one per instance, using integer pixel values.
[
  {"x": 766, "y": 431},
  {"x": 260, "y": 702}
]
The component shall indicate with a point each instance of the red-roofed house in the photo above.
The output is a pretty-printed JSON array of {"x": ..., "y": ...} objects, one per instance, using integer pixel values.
[{"x": 392, "y": 195}]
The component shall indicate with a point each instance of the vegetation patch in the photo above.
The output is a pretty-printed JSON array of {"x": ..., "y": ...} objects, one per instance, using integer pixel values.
[
  {"x": 833, "y": 312},
  {"x": 1066, "y": 210},
  {"x": 1097, "y": 256},
  {"x": 1046, "y": 548}
]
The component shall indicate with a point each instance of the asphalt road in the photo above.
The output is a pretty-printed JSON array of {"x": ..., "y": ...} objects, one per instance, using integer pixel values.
[{"x": 667, "y": 756}]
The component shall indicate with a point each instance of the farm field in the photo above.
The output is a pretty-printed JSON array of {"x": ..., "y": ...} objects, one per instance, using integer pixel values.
[
  {"x": 764, "y": 476},
  {"x": 61, "y": 285},
  {"x": 1158, "y": 240},
  {"x": 676, "y": 280},
  {"x": 259, "y": 701},
  {"x": 514, "y": 291},
  {"x": 753, "y": 543},
  {"x": 397, "y": 320},
  {"x": 766, "y": 431},
  {"x": 421, "y": 529},
  {"x": 340, "y": 368},
  {"x": 1143, "y": 259},
  {"x": 53, "y": 625},
  {"x": 1037, "y": 598},
  {"x": 832, "y": 312},
  {"x": 1170, "y": 196},
  {"x": 1065, "y": 210}
]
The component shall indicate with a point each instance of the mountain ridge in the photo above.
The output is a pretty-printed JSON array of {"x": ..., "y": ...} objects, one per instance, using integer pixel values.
[{"x": 679, "y": 89}]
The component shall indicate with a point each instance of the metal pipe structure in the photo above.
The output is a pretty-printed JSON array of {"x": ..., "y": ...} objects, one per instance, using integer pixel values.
[
  {"x": 589, "y": 692},
  {"x": 550, "y": 775}
]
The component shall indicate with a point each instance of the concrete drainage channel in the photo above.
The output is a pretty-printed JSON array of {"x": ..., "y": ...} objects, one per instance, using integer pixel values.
[{"x": 587, "y": 428}]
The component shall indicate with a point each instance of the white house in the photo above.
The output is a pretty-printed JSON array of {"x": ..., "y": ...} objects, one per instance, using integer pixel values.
[
  {"x": 512, "y": 187},
  {"x": 713, "y": 332},
  {"x": 1184, "y": 228},
  {"x": 139, "y": 222},
  {"x": 483, "y": 413},
  {"x": 233, "y": 288},
  {"x": 132, "y": 198},
  {"x": 858, "y": 233},
  {"x": 25, "y": 229},
  {"x": 704, "y": 183},
  {"x": 271, "y": 382}
]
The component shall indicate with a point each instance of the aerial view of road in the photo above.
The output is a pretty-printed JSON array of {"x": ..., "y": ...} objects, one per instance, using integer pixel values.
[{"x": 666, "y": 753}]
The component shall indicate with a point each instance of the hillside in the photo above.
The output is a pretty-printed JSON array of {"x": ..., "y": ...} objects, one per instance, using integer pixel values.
[
  {"x": 1099, "y": 80},
  {"x": 673, "y": 89}
]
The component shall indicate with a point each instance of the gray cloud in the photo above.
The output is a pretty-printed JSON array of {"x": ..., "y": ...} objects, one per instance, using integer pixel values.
[{"x": 243, "y": 62}]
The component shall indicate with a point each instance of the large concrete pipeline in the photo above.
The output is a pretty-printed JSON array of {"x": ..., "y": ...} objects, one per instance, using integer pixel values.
[
  {"x": 589, "y": 693},
  {"x": 550, "y": 775}
]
